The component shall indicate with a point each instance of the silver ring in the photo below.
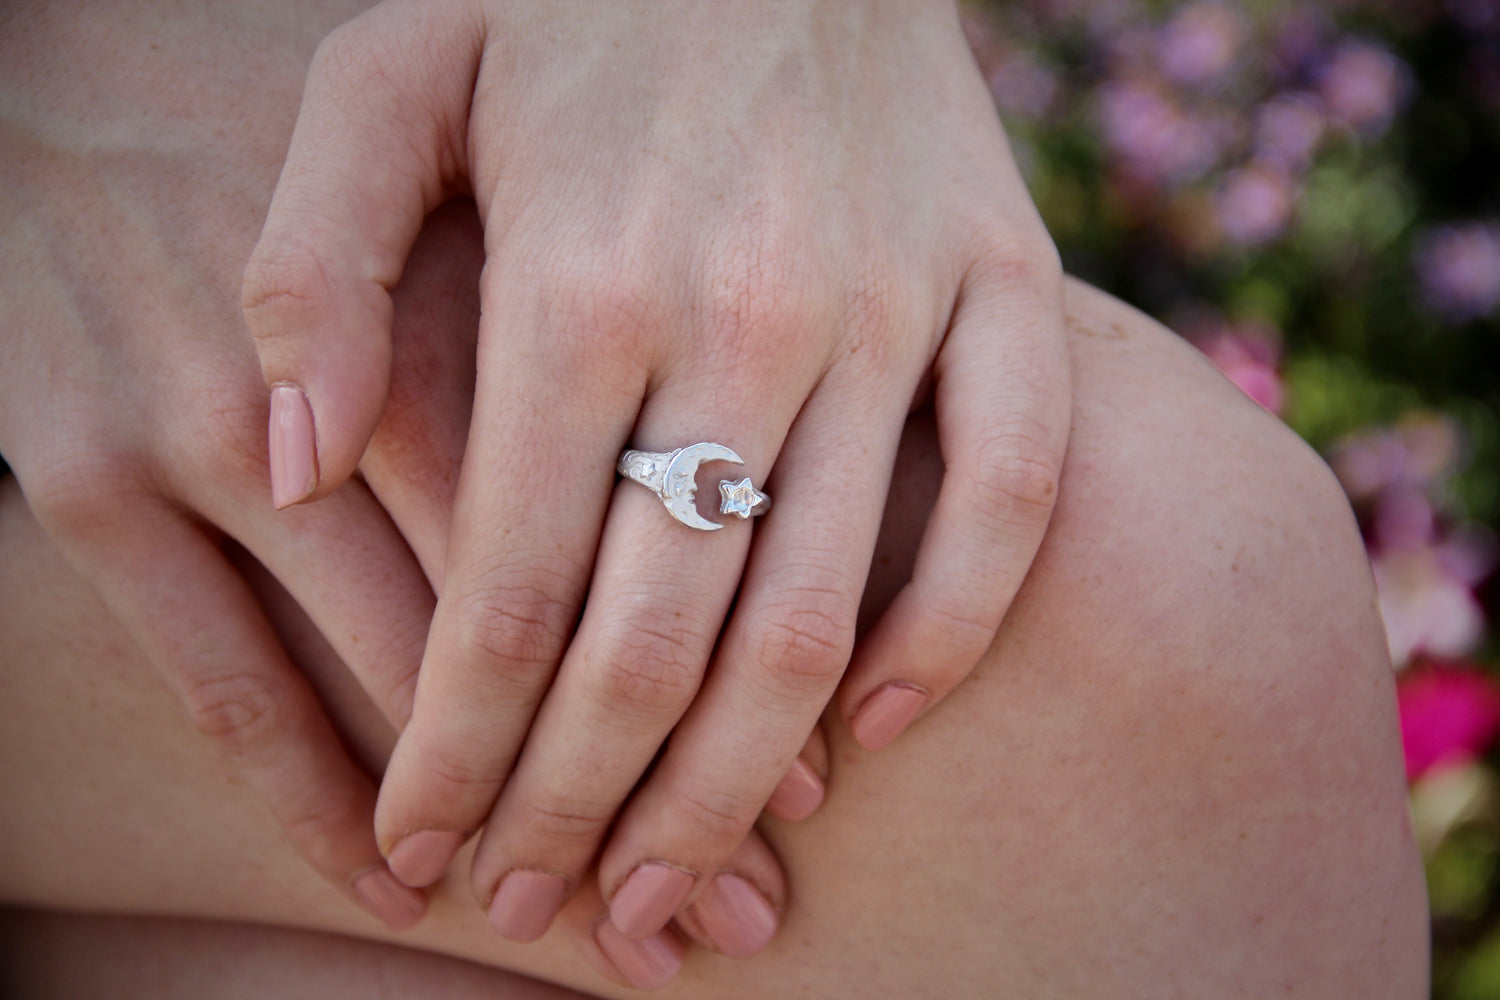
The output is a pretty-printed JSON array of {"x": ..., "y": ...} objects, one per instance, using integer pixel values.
[{"x": 673, "y": 476}]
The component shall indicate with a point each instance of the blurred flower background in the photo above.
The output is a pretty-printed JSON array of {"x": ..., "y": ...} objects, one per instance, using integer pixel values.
[{"x": 1310, "y": 192}]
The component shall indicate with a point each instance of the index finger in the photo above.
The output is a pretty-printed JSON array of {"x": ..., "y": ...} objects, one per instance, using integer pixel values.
[{"x": 535, "y": 481}]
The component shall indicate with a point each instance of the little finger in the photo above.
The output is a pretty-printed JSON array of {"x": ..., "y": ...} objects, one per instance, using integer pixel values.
[{"x": 1003, "y": 408}]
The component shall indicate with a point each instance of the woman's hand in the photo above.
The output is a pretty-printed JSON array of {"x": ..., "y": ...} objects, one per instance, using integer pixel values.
[
  {"x": 130, "y": 404},
  {"x": 774, "y": 226}
]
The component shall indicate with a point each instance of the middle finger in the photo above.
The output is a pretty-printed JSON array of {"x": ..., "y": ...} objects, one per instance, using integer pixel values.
[{"x": 660, "y": 595}]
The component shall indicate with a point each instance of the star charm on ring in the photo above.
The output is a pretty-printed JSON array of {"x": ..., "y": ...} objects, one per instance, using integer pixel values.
[{"x": 741, "y": 498}]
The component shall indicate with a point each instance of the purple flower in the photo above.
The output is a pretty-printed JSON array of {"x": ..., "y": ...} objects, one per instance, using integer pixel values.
[
  {"x": 1201, "y": 42},
  {"x": 1254, "y": 204},
  {"x": 1476, "y": 15},
  {"x": 1023, "y": 87},
  {"x": 1297, "y": 38},
  {"x": 1152, "y": 138},
  {"x": 1483, "y": 71},
  {"x": 1418, "y": 455},
  {"x": 1459, "y": 269},
  {"x": 1362, "y": 84},
  {"x": 1101, "y": 18},
  {"x": 1288, "y": 129}
]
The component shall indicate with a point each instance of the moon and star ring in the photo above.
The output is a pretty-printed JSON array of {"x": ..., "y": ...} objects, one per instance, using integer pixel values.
[{"x": 673, "y": 476}]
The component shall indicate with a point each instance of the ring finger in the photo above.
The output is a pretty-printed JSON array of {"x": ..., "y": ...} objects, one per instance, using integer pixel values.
[{"x": 776, "y": 667}]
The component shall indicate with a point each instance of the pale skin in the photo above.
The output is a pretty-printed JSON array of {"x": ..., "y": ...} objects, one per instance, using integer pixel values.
[
  {"x": 1176, "y": 773},
  {"x": 126, "y": 226},
  {"x": 133, "y": 414},
  {"x": 816, "y": 201},
  {"x": 771, "y": 225}
]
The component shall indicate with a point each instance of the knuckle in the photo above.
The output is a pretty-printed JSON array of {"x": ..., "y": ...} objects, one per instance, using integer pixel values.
[
  {"x": 77, "y": 491},
  {"x": 518, "y": 630},
  {"x": 608, "y": 309},
  {"x": 716, "y": 817},
  {"x": 242, "y": 712},
  {"x": 399, "y": 75},
  {"x": 1024, "y": 261},
  {"x": 283, "y": 284},
  {"x": 564, "y": 819},
  {"x": 759, "y": 299},
  {"x": 449, "y": 766},
  {"x": 225, "y": 444},
  {"x": 1014, "y": 478},
  {"x": 645, "y": 671},
  {"x": 963, "y": 633},
  {"x": 321, "y": 826},
  {"x": 398, "y": 693},
  {"x": 804, "y": 643},
  {"x": 348, "y": 56},
  {"x": 881, "y": 309}
]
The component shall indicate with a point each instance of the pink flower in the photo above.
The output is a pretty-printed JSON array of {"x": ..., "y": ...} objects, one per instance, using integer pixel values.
[
  {"x": 1247, "y": 354},
  {"x": 1459, "y": 269},
  {"x": 1404, "y": 519},
  {"x": 1428, "y": 608},
  {"x": 1450, "y": 713},
  {"x": 1258, "y": 381}
]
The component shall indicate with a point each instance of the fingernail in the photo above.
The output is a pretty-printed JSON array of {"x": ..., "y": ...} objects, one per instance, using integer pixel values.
[
  {"x": 419, "y": 859},
  {"x": 648, "y": 899},
  {"x": 525, "y": 904},
  {"x": 388, "y": 899},
  {"x": 886, "y": 714},
  {"x": 294, "y": 462},
  {"x": 799, "y": 794},
  {"x": 736, "y": 918},
  {"x": 648, "y": 964}
]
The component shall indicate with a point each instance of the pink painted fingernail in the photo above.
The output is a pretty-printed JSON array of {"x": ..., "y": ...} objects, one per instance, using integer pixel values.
[
  {"x": 648, "y": 964},
  {"x": 419, "y": 859},
  {"x": 799, "y": 794},
  {"x": 294, "y": 457},
  {"x": 388, "y": 899},
  {"x": 525, "y": 904},
  {"x": 736, "y": 918},
  {"x": 886, "y": 714},
  {"x": 648, "y": 899}
]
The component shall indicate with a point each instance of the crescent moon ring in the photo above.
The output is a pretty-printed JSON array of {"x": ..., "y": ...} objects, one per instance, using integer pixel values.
[{"x": 673, "y": 476}]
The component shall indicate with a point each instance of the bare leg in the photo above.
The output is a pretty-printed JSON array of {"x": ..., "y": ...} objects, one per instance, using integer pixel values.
[
  {"x": 1176, "y": 773},
  {"x": 53, "y": 956}
]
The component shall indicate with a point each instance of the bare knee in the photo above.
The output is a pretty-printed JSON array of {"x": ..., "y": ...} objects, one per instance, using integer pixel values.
[
  {"x": 1227, "y": 651},
  {"x": 1180, "y": 762}
]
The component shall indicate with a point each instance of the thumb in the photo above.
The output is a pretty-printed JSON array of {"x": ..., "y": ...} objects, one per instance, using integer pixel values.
[{"x": 378, "y": 144}]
